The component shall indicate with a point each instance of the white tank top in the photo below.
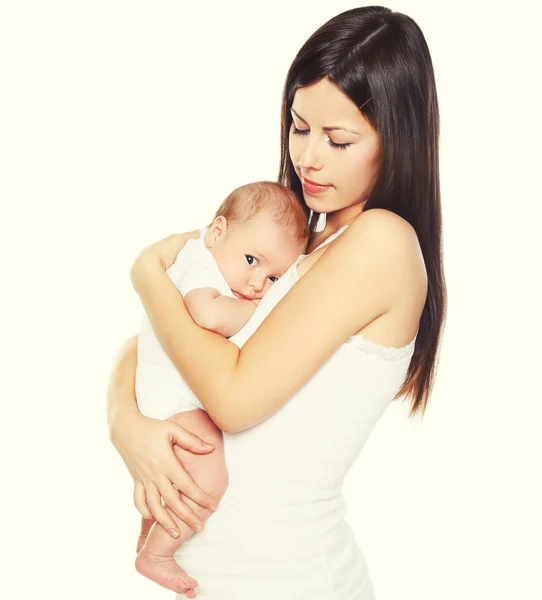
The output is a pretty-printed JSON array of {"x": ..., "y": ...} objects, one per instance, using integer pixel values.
[{"x": 279, "y": 530}]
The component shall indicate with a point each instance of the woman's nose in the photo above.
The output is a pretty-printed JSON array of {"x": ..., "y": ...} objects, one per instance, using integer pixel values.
[{"x": 311, "y": 157}]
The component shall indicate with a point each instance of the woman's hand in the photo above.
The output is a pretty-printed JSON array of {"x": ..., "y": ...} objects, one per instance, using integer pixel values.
[
  {"x": 166, "y": 249},
  {"x": 147, "y": 447}
]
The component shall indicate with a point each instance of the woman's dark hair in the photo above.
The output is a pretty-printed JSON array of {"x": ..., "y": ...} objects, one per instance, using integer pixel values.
[{"x": 381, "y": 61}]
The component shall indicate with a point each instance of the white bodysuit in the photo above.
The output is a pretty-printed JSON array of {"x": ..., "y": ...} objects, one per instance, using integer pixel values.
[
  {"x": 160, "y": 389},
  {"x": 279, "y": 532}
]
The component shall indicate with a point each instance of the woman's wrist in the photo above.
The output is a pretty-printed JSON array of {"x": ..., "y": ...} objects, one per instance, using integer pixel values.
[
  {"x": 147, "y": 263},
  {"x": 160, "y": 255},
  {"x": 122, "y": 417}
]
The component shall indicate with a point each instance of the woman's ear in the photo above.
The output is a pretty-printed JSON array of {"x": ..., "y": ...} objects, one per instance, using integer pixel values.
[{"x": 217, "y": 232}]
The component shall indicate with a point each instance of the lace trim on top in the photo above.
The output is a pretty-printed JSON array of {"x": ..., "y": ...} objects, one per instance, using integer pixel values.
[
  {"x": 358, "y": 341},
  {"x": 324, "y": 243},
  {"x": 388, "y": 353}
]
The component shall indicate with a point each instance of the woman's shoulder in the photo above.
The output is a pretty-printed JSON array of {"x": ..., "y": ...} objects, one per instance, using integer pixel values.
[
  {"x": 384, "y": 231},
  {"x": 383, "y": 227},
  {"x": 386, "y": 234},
  {"x": 392, "y": 245},
  {"x": 382, "y": 234}
]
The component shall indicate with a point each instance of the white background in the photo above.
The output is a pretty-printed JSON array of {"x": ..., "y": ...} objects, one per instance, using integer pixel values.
[{"x": 125, "y": 121}]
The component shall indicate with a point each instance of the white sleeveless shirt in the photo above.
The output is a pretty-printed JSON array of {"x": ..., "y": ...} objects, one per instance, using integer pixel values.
[{"x": 279, "y": 531}]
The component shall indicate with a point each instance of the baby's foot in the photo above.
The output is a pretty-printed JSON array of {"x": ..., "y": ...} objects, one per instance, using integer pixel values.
[
  {"x": 164, "y": 571},
  {"x": 190, "y": 593},
  {"x": 146, "y": 525}
]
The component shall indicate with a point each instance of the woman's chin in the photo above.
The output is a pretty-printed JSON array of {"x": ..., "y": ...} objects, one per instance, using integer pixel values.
[
  {"x": 313, "y": 203},
  {"x": 320, "y": 203}
]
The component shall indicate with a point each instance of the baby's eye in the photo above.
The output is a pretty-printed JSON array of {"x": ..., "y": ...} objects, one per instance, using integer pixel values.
[
  {"x": 273, "y": 278},
  {"x": 251, "y": 260}
]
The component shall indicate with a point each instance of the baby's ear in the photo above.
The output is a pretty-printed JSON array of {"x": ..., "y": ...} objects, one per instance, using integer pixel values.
[{"x": 217, "y": 231}]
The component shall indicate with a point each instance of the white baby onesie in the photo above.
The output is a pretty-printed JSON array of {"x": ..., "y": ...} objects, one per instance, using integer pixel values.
[{"x": 160, "y": 389}]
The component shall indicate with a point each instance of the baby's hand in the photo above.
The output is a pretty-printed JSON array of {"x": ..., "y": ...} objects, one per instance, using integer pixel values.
[
  {"x": 246, "y": 309},
  {"x": 251, "y": 304}
]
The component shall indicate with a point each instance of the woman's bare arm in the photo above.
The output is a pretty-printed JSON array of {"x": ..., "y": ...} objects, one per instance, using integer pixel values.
[
  {"x": 357, "y": 279},
  {"x": 120, "y": 391}
]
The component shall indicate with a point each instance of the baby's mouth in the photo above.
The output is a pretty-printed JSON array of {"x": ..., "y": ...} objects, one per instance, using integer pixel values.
[{"x": 242, "y": 296}]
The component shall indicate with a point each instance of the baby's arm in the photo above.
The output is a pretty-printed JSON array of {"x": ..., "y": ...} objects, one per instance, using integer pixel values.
[{"x": 221, "y": 314}]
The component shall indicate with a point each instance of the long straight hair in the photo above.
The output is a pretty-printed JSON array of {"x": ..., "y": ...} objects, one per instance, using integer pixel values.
[{"x": 380, "y": 60}]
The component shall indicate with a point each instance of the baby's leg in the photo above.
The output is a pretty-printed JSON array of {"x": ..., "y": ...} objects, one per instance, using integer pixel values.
[
  {"x": 146, "y": 525},
  {"x": 155, "y": 559}
]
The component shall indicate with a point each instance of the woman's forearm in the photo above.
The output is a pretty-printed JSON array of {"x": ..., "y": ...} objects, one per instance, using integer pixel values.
[
  {"x": 240, "y": 387},
  {"x": 121, "y": 398},
  {"x": 202, "y": 352}
]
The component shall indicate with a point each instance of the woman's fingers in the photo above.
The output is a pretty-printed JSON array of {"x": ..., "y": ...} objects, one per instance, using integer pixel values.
[
  {"x": 173, "y": 515},
  {"x": 156, "y": 471},
  {"x": 188, "y": 440},
  {"x": 185, "y": 484},
  {"x": 140, "y": 501},
  {"x": 159, "y": 512},
  {"x": 181, "y": 509},
  {"x": 191, "y": 442}
]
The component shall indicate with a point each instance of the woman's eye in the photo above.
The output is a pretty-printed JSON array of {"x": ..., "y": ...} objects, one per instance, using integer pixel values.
[
  {"x": 251, "y": 260},
  {"x": 273, "y": 279},
  {"x": 329, "y": 140},
  {"x": 334, "y": 145},
  {"x": 299, "y": 131}
]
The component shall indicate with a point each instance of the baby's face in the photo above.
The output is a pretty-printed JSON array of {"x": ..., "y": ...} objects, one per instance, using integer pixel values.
[{"x": 253, "y": 255}]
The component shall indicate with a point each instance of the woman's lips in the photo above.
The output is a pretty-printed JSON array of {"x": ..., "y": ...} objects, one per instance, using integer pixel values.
[{"x": 314, "y": 188}]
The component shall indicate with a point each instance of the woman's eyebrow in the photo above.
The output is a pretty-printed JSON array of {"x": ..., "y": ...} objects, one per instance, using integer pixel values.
[{"x": 334, "y": 128}]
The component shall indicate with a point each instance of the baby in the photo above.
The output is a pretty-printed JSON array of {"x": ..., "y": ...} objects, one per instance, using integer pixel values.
[{"x": 257, "y": 233}]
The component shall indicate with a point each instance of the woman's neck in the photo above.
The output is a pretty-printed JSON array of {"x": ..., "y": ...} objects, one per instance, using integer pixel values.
[{"x": 334, "y": 222}]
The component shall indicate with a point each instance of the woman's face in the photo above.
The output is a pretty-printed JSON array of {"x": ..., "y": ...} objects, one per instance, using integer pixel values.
[{"x": 332, "y": 143}]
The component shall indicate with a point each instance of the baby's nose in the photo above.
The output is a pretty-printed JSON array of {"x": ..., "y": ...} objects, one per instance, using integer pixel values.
[{"x": 258, "y": 283}]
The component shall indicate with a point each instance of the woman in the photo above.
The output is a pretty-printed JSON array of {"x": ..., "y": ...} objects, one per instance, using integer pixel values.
[{"x": 297, "y": 392}]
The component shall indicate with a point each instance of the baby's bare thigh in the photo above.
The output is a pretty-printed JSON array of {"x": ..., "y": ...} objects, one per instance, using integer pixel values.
[{"x": 207, "y": 470}]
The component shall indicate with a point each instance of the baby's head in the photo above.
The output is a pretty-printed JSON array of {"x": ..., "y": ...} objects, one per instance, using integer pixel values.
[{"x": 257, "y": 233}]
